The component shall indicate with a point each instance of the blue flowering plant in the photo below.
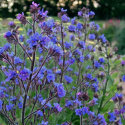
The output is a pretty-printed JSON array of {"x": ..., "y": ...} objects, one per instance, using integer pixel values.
[{"x": 60, "y": 75}]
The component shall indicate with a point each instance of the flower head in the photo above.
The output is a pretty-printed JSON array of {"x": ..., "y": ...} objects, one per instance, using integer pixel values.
[
  {"x": 68, "y": 79},
  {"x": 57, "y": 107},
  {"x": 91, "y": 36},
  {"x": 22, "y": 18},
  {"x": 60, "y": 90}
]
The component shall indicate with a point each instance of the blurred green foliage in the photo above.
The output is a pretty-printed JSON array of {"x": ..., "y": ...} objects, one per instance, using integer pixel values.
[{"x": 120, "y": 40}]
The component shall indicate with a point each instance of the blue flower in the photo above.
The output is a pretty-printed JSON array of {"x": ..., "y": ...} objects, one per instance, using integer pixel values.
[
  {"x": 71, "y": 61},
  {"x": 91, "y": 13},
  {"x": 57, "y": 106},
  {"x": 117, "y": 97},
  {"x": 29, "y": 33},
  {"x": 72, "y": 28},
  {"x": 77, "y": 52},
  {"x": 6, "y": 47},
  {"x": 91, "y": 36},
  {"x": 13, "y": 98},
  {"x": 60, "y": 90},
  {"x": 34, "y": 39},
  {"x": 21, "y": 38},
  {"x": 1, "y": 103},
  {"x": 81, "y": 58},
  {"x": 94, "y": 26},
  {"x": 68, "y": 45},
  {"x": 97, "y": 64},
  {"x": 11, "y": 75},
  {"x": 40, "y": 50},
  {"x": 11, "y": 23},
  {"x": 17, "y": 60},
  {"x": 7, "y": 34},
  {"x": 65, "y": 18},
  {"x": 42, "y": 13},
  {"x": 44, "y": 123},
  {"x": 89, "y": 76},
  {"x": 72, "y": 37},
  {"x": 95, "y": 87},
  {"x": 20, "y": 105},
  {"x": 80, "y": 13},
  {"x": 78, "y": 112},
  {"x": 102, "y": 38},
  {"x": 24, "y": 74},
  {"x": 50, "y": 23},
  {"x": 62, "y": 9},
  {"x": 101, "y": 60},
  {"x": 40, "y": 113},
  {"x": 82, "y": 45},
  {"x": 84, "y": 110},
  {"x": 9, "y": 107},
  {"x": 68, "y": 79},
  {"x": 69, "y": 103},
  {"x": 81, "y": 111},
  {"x": 1, "y": 50},
  {"x": 112, "y": 117},
  {"x": 123, "y": 78},
  {"x": 73, "y": 21},
  {"x": 97, "y": 27},
  {"x": 51, "y": 77},
  {"x": 79, "y": 26}
]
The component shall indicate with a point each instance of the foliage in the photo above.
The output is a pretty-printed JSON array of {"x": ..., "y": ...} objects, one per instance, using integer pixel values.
[
  {"x": 120, "y": 40},
  {"x": 54, "y": 76}
]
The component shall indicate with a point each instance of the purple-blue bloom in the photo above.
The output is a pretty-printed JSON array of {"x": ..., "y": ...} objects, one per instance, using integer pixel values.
[
  {"x": 97, "y": 64},
  {"x": 10, "y": 75},
  {"x": 72, "y": 28},
  {"x": 57, "y": 106},
  {"x": 63, "y": 10},
  {"x": 29, "y": 33},
  {"x": 17, "y": 60},
  {"x": 51, "y": 77},
  {"x": 102, "y": 38},
  {"x": 24, "y": 74},
  {"x": 1, "y": 103},
  {"x": 123, "y": 78},
  {"x": 112, "y": 117},
  {"x": 7, "y": 46},
  {"x": 40, "y": 113},
  {"x": 21, "y": 38},
  {"x": 44, "y": 123},
  {"x": 60, "y": 90},
  {"x": 7, "y": 34},
  {"x": 20, "y": 105},
  {"x": 79, "y": 26},
  {"x": 68, "y": 79},
  {"x": 34, "y": 39},
  {"x": 91, "y": 13},
  {"x": 68, "y": 45},
  {"x": 91, "y": 36},
  {"x": 65, "y": 18},
  {"x": 9, "y": 107}
]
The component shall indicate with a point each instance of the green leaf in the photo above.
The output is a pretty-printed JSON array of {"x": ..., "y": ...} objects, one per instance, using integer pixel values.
[
  {"x": 108, "y": 107},
  {"x": 114, "y": 75}
]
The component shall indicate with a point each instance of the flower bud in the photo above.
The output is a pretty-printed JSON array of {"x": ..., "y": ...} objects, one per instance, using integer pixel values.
[
  {"x": 116, "y": 49},
  {"x": 119, "y": 88},
  {"x": 22, "y": 18}
]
